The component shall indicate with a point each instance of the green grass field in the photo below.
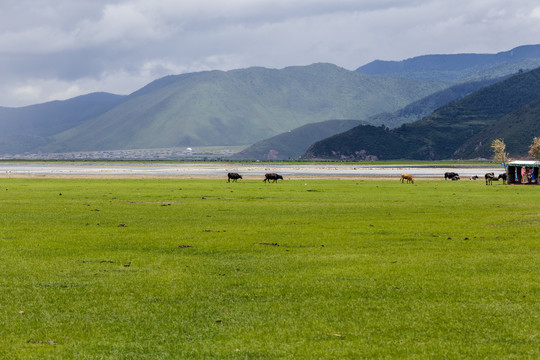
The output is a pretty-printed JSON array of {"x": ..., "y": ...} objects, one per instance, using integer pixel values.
[{"x": 301, "y": 269}]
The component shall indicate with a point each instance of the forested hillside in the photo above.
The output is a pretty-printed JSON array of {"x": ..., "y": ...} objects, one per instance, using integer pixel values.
[
  {"x": 424, "y": 107},
  {"x": 441, "y": 134},
  {"x": 517, "y": 129},
  {"x": 292, "y": 144}
]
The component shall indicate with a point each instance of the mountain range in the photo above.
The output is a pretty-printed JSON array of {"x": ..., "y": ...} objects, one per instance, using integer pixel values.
[
  {"x": 462, "y": 129},
  {"x": 293, "y": 144},
  {"x": 30, "y": 127},
  {"x": 458, "y": 67},
  {"x": 280, "y": 113},
  {"x": 236, "y": 107}
]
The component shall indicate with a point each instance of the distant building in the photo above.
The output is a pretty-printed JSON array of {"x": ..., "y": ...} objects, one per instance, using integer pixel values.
[{"x": 523, "y": 172}]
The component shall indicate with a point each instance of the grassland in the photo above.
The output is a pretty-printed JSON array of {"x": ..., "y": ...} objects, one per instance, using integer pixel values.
[{"x": 301, "y": 269}]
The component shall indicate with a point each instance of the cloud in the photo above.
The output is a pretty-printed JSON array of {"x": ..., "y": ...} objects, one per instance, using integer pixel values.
[{"x": 64, "y": 48}]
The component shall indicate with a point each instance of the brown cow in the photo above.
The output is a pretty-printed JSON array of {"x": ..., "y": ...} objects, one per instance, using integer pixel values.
[
  {"x": 272, "y": 176},
  {"x": 407, "y": 177}
]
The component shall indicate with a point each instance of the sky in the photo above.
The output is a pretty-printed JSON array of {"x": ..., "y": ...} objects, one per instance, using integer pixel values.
[{"x": 59, "y": 49}]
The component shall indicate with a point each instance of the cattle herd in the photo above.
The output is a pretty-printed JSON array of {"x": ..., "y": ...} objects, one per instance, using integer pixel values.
[
  {"x": 489, "y": 177},
  {"x": 267, "y": 177}
]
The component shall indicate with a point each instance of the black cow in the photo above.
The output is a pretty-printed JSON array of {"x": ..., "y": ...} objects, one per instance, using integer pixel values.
[
  {"x": 474, "y": 177},
  {"x": 272, "y": 176},
  {"x": 451, "y": 175},
  {"x": 233, "y": 176},
  {"x": 489, "y": 178},
  {"x": 455, "y": 177},
  {"x": 503, "y": 177}
]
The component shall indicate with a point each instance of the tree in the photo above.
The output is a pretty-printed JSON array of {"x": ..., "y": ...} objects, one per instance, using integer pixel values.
[
  {"x": 499, "y": 151},
  {"x": 534, "y": 149}
]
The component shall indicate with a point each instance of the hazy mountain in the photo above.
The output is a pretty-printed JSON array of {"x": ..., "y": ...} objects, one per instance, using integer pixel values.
[
  {"x": 425, "y": 106},
  {"x": 238, "y": 107},
  {"x": 27, "y": 127},
  {"x": 441, "y": 134},
  {"x": 246, "y": 106},
  {"x": 458, "y": 67},
  {"x": 292, "y": 144}
]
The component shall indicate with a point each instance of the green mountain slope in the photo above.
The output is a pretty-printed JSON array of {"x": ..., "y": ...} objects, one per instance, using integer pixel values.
[
  {"x": 292, "y": 144},
  {"x": 441, "y": 134},
  {"x": 458, "y": 67},
  {"x": 239, "y": 107},
  {"x": 25, "y": 128},
  {"x": 364, "y": 142},
  {"x": 517, "y": 129},
  {"x": 424, "y": 107}
]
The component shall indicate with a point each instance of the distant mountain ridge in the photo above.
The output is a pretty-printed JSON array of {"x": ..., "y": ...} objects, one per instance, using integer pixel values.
[
  {"x": 64, "y": 114},
  {"x": 517, "y": 129},
  {"x": 458, "y": 67},
  {"x": 293, "y": 144},
  {"x": 238, "y": 107},
  {"x": 425, "y": 106},
  {"x": 458, "y": 130},
  {"x": 27, "y": 128},
  {"x": 250, "y": 106}
]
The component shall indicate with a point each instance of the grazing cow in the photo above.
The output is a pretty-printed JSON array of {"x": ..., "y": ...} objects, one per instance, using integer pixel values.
[
  {"x": 503, "y": 177},
  {"x": 407, "y": 177},
  {"x": 272, "y": 176},
  {"x": 474, "y": 177},
  {"x": 233, "y": 176},
  {"x": 455, "y": 177},
  {"x": 450, "y": 175},
  {"x": 489, "y": 178}
]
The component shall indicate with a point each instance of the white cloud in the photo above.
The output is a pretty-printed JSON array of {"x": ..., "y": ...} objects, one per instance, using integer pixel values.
[
  {"x": 535, "y": 13},
  {"x": 39, "y": 90},
  {"x": 123, "y": 25}
]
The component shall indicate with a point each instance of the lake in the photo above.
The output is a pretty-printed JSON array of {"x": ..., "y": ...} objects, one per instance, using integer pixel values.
[{"x": 155, "y": 169}]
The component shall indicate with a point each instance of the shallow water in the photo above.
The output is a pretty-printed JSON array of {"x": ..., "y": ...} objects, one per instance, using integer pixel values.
[{"x": 194, "y": 169}]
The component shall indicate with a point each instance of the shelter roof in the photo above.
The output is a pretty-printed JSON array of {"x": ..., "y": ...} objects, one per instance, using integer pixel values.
[{"x": 525, "y": 163}]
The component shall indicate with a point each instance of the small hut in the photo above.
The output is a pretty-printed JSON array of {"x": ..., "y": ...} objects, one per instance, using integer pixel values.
[{"x": 523, "y": 172}]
